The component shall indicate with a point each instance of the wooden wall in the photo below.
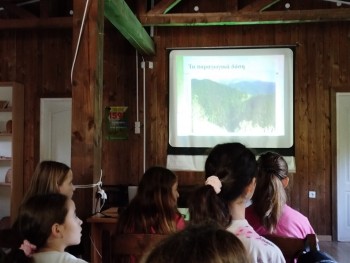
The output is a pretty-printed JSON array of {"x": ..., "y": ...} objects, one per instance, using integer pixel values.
[
  {"x": 322, "y": 65},
  {"x": 41, "y": 60}
]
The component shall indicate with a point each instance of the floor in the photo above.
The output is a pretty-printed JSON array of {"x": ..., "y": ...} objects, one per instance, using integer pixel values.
[{"x": 340, "y": 251}]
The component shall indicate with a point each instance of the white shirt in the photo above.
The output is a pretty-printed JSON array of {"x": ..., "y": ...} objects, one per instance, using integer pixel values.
[
  {"x": 260, "y": 250},
  {"x": 56, "y": 257}
]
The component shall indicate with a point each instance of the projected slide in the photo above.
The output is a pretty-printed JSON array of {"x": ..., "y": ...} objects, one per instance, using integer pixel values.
[{"x": 221, "y": 95}]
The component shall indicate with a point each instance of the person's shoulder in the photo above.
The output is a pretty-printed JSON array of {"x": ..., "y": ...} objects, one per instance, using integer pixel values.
[
  {"x": 293, "y": 223},
  {"x": 180, "y": 222},
  {"x": 294, "y": 214},
  {"x": 263, "y": 250},
  {"x": 57, "y": 257},
  {"x": 69, "y": 258}
]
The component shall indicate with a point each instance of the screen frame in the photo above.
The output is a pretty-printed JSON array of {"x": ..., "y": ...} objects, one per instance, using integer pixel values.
[{"x": 174, "y": 149}]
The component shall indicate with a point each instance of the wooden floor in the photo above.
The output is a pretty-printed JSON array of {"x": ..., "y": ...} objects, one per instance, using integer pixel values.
[{"x": 340, "y": 251}]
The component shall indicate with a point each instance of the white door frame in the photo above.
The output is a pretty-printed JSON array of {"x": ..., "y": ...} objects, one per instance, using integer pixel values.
[{"x": 341, "y": 171}]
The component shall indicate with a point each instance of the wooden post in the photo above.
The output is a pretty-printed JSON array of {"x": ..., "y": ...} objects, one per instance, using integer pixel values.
[{"x": 87, "y": 82}]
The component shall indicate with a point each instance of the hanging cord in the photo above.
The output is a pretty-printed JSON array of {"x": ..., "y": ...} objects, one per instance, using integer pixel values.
[
  {"x": 79, "y": 40},
  {"x": 100, "y": 193}
]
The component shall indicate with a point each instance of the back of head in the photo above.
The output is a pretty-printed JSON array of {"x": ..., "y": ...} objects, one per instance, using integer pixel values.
[
  {"x": 205, "y": 243},
  {"x": 48, "y": 175},
  {"x": 38, "y": 214},
  {"x": 235, "y": 166},
  {"x": 269, "y": 196},
  {"x": 156, "y": 186},
  {"x": 154, "y": 205}
]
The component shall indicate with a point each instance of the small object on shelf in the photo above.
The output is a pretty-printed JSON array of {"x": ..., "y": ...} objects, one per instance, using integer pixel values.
[
  {"x": 3, "y": 104},
  {"x": 8, "y": 176},
  {"x": 9, "y": 126}
]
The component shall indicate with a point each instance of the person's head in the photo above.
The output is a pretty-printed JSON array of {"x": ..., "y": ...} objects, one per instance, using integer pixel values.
[
  {"x": 49, "y": 219},
  {"x": 51, "y": 177},
  {"x": 205, "y": 243},
  {"x": 158, "y": 185},
  {"x": 234, "y": 168},
  {"x": 154, "y": 205},
  {"x": 270, "y": 196}
]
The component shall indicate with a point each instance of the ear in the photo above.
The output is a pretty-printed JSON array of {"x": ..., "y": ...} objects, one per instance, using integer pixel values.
[
  {"x": 249, "y": 190},
  {"x": 285, "y": 182},
  {"x": 56, "y": 230}
]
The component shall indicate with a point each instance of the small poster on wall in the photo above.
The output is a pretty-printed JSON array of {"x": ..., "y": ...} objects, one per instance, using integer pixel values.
[{"x": 116, "y": 123}]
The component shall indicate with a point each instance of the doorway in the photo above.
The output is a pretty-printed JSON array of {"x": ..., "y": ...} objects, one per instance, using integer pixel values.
[
  {"x": 343, "y": 165},
  {"x": 55, "y": 129}
]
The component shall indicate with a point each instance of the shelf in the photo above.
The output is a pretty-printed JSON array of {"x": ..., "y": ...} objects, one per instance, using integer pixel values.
[
  {"x": 2, "y": 159},
  {"x": 11, "y": 144},
  {"x": 5, "y": 134},
  {"x": 8, "y": 109}
]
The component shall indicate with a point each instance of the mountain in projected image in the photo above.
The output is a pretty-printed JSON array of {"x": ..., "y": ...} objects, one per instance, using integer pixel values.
[{"x": 238, "y": 107}]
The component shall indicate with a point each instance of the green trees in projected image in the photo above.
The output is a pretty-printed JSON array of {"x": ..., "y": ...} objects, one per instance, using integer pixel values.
[{"x": 236, "y": 106}]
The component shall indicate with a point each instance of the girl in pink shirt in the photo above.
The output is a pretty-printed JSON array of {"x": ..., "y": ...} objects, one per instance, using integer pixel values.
[{"x": 269, "y": 213}]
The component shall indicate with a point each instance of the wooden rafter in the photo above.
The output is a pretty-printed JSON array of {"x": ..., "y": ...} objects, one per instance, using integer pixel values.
[
  {"x": 246, "y": 18},
  {"x": 122, "y": 17}
]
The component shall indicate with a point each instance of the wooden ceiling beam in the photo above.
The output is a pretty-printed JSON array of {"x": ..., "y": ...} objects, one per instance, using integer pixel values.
[
  {"x": 246, "y": 18},
  {"x": 123, "y": 18}
]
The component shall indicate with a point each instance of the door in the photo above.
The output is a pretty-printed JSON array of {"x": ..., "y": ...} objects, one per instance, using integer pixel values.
[
  {"x": 343, "y": 165},
  {"x": 55, "y": 129}
]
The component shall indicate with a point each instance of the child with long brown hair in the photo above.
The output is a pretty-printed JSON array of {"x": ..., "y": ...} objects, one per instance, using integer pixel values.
[
  {"x": 154, "y": 208},
  {"x": 50, "y": 223}
]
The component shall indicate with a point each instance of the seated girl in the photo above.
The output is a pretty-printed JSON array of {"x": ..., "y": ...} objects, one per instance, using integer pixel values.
[
  {"x": 269, "y": 212},
  {"x": 154, "y": 207},
  {"x": 49, "y": 222}
]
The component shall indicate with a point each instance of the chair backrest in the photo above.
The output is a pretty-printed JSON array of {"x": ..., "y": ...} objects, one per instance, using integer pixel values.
[
  {"x": 292, "y": 247},
  {"x": 130, "y": 245}
]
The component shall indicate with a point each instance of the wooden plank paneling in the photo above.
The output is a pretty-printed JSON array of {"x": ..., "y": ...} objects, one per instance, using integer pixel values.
[
  {"x": 122, "y": 159},
  {"x": 56, "y": 55}
]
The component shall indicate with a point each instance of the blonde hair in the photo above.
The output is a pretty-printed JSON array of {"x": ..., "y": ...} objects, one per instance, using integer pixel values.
[{"x": 47, "y": 177}]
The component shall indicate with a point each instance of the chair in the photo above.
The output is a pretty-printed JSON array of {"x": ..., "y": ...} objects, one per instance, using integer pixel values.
[
  {"x": 118, "y": 246},
  {"x": 292, "y": 247}
]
